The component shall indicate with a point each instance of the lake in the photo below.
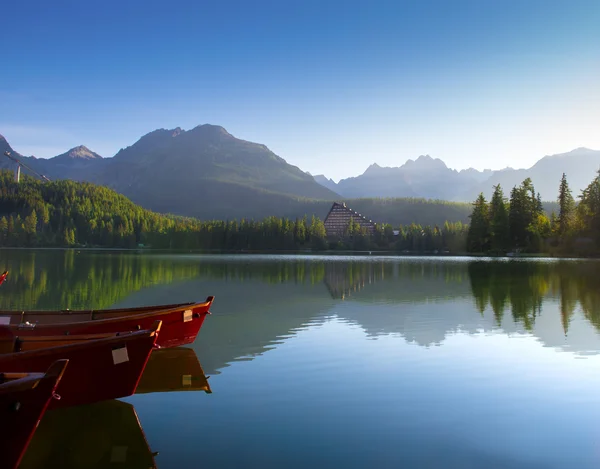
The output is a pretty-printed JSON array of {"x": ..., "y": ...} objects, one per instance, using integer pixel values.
[{"x": 335, "y": 361}]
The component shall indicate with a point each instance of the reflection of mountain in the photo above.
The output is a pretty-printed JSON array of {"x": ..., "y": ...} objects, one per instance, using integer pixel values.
[
  {"x": 98, "y": 436},
  {"x": 260, "y": 300},
  {"x": 387, "y": 280},
  {"x": 249, "y": 316}
]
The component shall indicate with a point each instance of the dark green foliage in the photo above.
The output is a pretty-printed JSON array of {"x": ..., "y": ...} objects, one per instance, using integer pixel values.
[
  {"x": 527, "y": 228},
  {"x": 478, "y": 238},
  {"x": 67, "y": 213},
  {"x": 566, "y": 205},
  {"x": 499, "y": 226},
  {"x": 588, "y": 211},
  {"x": 525, "y": 206}
]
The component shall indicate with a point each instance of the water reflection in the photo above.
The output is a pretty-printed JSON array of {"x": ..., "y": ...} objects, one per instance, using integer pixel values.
[
  {"x": 109, "y": 434},
  {"x": 523, "y": 286},
  {"x": 270, "y": 297},
  {"x": 98, "y": 436},
  {"x": 411, "y": 362},
  {"x": 173, "y": 369}
]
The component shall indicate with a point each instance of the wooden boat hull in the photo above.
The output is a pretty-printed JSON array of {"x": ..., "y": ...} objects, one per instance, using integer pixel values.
[
  {"x": 105, "y": 435},
  {"x": 173, "y": 369},
  {"x": 180, "y": 323},
  {"x": 23, "y": 402},
  {"x": 99, "y": 369}
]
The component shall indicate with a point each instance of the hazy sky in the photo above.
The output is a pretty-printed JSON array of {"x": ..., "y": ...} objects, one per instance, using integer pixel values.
[{"x": 329, "y": 86}]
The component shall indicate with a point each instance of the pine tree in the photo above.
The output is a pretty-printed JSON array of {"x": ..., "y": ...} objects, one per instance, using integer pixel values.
[
  {"x": 566, "y": 205},
  {"x": 517, "y": 217},
  {"x": 31, "y": 228},
  {"x": 478, "y": 236},
  {"x": 499, "y": 226},
  {"x": 588, "y": 210}
]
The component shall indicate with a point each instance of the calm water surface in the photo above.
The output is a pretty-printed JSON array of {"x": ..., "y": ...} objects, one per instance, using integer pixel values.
[{"x": 352, "y": 362}]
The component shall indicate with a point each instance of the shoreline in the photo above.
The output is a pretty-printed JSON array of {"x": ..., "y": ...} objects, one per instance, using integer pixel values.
[{"x": 305, "y": 252}]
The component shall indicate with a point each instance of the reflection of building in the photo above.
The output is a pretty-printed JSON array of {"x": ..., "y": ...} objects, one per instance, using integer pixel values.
[
  {"x": 339, "y": 217},
  {"x": 342, "y": 280}
]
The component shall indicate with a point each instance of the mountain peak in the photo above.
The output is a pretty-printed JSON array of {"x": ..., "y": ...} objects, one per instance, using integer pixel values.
[
  {"x": 210, "y": 131},
  {"x": 425, "y": 163},
  {"x": 373, "y": 169},
  {"x": 80, "y": 152}
]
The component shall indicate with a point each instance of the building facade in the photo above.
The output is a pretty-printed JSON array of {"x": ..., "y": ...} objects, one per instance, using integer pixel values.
[{"x": 338, "y": 218}]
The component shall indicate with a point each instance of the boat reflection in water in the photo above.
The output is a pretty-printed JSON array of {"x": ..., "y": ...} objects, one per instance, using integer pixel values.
[
  {"x": 103, "y": 435},
  {"x": 173, "y": 369},
  {"x": 109, "y": 435}
]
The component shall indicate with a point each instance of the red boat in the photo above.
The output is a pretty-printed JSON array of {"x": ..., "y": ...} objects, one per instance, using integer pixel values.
[
  {"x": 3, "y": 276},
  {"x": 24, "y": 398},
  {"x": 180, "y": 322},
  {"x": 99, "y": 369}
]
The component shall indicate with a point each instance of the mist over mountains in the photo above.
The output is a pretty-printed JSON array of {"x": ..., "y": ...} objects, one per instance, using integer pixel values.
[
  {"x": 430, "y": 178},
  {"x": 207, "y": 173}
]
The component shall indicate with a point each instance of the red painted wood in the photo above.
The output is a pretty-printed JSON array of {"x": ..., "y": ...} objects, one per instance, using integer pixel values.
[
  {"x": 23, "y": 402},
  {"x": 94, "y": 373},
  {"x": 175, "y": 329}
]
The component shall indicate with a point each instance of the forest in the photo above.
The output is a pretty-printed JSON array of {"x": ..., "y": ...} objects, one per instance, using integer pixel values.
[
  {"x": 76, "y": 214},
  {"x": 519, "y": 224}
]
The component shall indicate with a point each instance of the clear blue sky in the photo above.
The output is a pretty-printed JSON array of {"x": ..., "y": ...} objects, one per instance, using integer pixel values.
[{"x": 329, "y": 86}]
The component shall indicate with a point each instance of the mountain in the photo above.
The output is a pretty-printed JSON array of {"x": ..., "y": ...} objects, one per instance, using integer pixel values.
[
  {"x": 204, "y": 172},
  {"x": 430, "y": 178},
  {"x": 80, "y": 153},
  {"x": 424, "y": 177},
  {"x": 580, "y": 166},
  {"x": 208, "y": 173},
  {"x": 328, "y": 183}
]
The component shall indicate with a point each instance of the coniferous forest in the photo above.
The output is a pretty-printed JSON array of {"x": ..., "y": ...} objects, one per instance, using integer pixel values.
[
  {"x": 76, "y": 214},
  {"x": 519, "y": 224}
]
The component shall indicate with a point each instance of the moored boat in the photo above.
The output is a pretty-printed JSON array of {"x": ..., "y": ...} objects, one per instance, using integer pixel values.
[
  {"x": 24, "y": 398},
  {"x": 99, "y": 369},
  {"x": 181, "y": 322}
]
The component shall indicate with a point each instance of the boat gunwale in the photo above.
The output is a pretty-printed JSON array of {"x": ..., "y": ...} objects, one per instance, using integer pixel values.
[
  {"x": 118, "y": 337},
  {"x": 66, "y": 312},
  {"x": 144, "y": 315}
]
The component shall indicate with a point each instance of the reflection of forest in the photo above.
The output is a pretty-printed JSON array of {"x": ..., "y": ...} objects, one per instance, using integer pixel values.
[
  {"x": 521, "y": 286},
  {"x": 72, "y": 279},
  {"x": 260, "y": 299}
]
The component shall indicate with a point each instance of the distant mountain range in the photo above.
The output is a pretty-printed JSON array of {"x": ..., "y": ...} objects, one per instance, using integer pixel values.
[
  {"x": 207, "y": 173},
  {"x": 432, "y": 179},
  {"x": 204, "y": 172}
]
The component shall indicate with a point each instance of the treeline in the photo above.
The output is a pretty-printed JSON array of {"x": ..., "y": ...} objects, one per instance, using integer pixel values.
[
  {"x": 76, "y": 214},
  {"x": 520, "y": 224}
]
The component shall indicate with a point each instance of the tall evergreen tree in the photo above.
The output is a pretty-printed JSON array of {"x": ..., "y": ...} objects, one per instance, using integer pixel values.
[
  {"x": 566, "y": 208},
  {"x": 588, "y": 210},
  {"x": 499, "y": 226},
  {"x": 478, "y": 236},
  {"x": 518, "y": 217}
]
